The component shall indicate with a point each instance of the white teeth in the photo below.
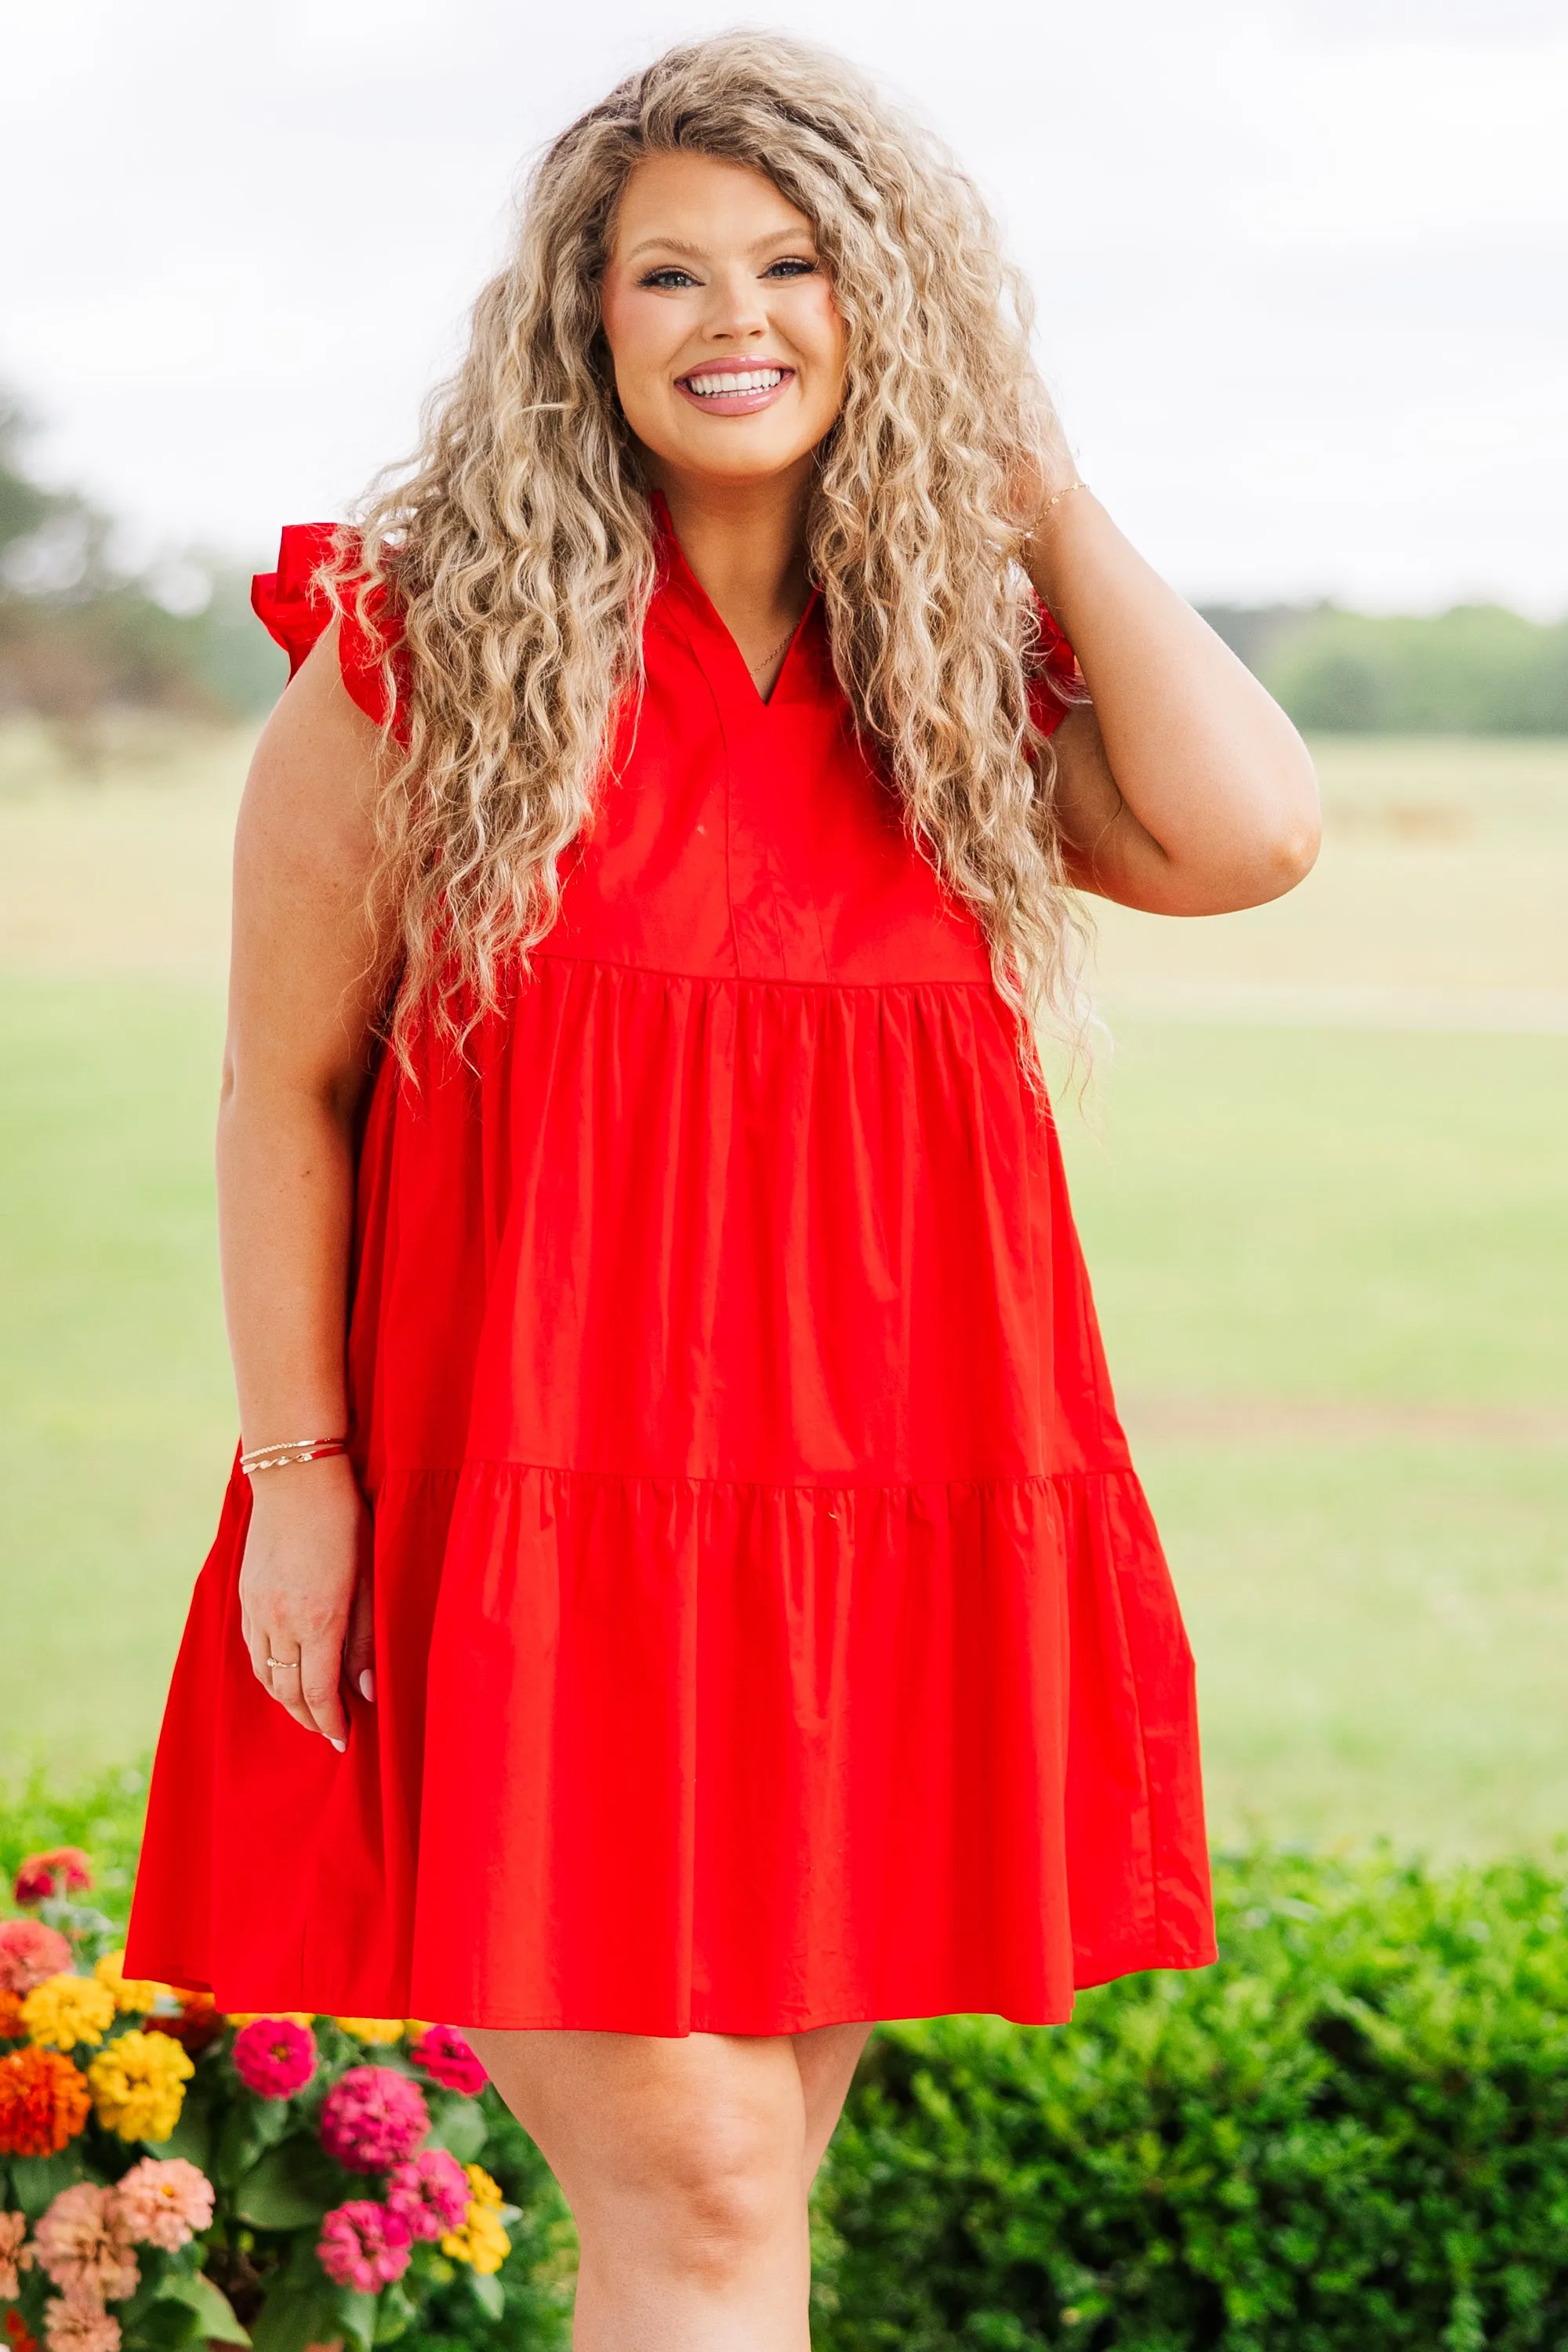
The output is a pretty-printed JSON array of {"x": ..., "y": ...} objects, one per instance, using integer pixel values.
[{"x": 754, "y": 380}]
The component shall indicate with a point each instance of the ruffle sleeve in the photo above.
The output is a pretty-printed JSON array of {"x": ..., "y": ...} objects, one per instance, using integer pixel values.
[
  {"x": 295, "y": 609},
  {"x": 1056, "y": 683}
]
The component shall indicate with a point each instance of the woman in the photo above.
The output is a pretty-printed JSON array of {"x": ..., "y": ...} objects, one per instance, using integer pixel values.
[{"x": 734, "y": 1617}]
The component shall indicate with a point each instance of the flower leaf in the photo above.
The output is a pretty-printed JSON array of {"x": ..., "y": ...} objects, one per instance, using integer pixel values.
[
  {"x": 212, "y": 2307},
  {"x": 290, "y": 2188},
  {"x": 460, "y": 2128},
  {"x": 488, "y": 2292},
  {"x": 35, "y": 2179}
]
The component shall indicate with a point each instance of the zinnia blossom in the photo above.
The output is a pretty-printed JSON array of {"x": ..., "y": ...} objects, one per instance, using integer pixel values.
[
  {"x": 130, "y": 1992},
  {"x": 482, "y": 2241},
  {"x": 195, "y": 2023},
  {"x": 442, "y": 2052},
  {"x": 11, "y": 2026},
  {"x": 13, "y": 2229},
  {"x": 372, "y": 2117},
  {"x": 66, "y": 2010},
  {"x": 362, "y": 2245},
  {"x": 374, "y": 2030},
  {"x": 164, "y": 2201},
  {"x": 44, "y": 2103},
  {"x": 274, "y": 2057},
  {"x": 83, "y": 2243},
  {"x": 63, "y": 1870},
  {"x": 138, "y": 2084},
  {"x": 29, "y": 1952},
  {"x": 430, "y": 2191},
  {"x": 78, "y": 2323}
]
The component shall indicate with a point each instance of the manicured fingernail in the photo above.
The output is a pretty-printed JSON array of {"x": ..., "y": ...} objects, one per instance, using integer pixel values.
[
  {"x": 342, "y": 1746},
  {"x": 367, "y": 1684}
]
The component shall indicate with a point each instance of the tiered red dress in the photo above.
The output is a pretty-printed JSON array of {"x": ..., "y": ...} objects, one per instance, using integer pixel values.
[{"x": 771, "y": 1629}]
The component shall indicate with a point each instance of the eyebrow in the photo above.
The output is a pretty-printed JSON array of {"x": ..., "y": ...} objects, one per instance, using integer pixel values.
[{"x": 698, "y": 253}]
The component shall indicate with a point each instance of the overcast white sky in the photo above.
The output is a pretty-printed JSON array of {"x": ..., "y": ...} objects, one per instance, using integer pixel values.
[{"x": 1302, "y": 265}]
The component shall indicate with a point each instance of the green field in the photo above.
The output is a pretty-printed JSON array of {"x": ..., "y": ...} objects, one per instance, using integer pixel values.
[{"x": 1321, "y": 1181}]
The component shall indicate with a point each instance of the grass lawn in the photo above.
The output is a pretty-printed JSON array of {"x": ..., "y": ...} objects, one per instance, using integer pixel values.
[{"x": 1332, "y": 1262}]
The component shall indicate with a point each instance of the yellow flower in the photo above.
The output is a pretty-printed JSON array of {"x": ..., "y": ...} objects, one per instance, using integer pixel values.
[
  {"x": 413, "y": 2027},
  {"x": 374, "y": 2030},
  {"x": 481, "y": 2241},
  {"x": 295, "y": 2016},
  {"x": 66, "y": 2010},
  {"x": 130, "y": 1992},
  {"x": 139, "y": 2085}
]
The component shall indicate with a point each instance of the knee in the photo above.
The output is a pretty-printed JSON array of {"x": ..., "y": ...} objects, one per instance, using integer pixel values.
[{"x": 708, "y": 2189}]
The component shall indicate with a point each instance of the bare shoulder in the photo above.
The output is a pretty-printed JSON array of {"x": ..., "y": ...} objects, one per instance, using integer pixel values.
[
  {"x": 302, "y": 983},
  {"x": 309, "y": 798}
]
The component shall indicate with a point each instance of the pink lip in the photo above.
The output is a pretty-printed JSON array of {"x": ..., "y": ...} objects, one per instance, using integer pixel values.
[{"x": 734, "y": 404}]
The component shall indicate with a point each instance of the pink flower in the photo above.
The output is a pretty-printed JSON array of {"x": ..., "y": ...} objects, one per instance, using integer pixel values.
[
  {"x": 83, "y": 2243},
  {"x": 374, "y": 2116},
  {"x": 78, "y": 2322},
  {"x": 29, "y": 1952},
  {"x": 164, "y": 2202},
  {"x": 430, "y": 2191},
  {"x": 442, "y": 2052},
  {"x": 13, "y": 2229},
  {"x": 63, "y": 1870},
  {"x": 362, "y": 2245},
  {"x": 274, "y": 2057}
]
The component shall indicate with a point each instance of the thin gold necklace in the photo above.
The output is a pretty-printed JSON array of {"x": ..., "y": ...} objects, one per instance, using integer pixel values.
[{"x": 773, "y": 651}]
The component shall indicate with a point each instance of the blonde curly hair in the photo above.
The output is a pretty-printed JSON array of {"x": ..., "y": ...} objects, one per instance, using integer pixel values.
[{"x": 518, "y": 546}]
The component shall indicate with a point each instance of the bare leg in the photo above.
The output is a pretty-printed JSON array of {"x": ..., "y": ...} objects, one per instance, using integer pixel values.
[
  {"x": 686, "y": 2163},
  {"x": 827, "y": 2056}
]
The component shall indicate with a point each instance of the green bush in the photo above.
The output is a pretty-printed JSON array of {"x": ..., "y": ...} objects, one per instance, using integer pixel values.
[
  {"x": 1352, "y": 2132},
  {"x": 1350, "y": 2136}
]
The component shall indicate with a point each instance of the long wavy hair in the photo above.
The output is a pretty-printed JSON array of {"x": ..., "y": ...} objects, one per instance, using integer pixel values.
[{"x": 518, "y": 547}]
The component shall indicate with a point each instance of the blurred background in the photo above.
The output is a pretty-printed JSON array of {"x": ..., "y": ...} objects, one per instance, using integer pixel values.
[{"x": 1298, "y": 270}]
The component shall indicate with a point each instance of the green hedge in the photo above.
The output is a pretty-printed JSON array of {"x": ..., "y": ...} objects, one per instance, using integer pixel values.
[{"x": 1352, "y": 2132}]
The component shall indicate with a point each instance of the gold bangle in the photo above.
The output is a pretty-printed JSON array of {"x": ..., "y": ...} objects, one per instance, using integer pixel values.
[{"x": 292, "y": 1449}]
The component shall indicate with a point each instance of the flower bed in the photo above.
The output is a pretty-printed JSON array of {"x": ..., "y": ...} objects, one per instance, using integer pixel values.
[{"x": 170, "y": 2177}]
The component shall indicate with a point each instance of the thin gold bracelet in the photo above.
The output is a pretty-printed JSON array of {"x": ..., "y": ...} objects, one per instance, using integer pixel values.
[
  {"x": 291, "y": 1450},
  {"x": 1055, "y": 501}
]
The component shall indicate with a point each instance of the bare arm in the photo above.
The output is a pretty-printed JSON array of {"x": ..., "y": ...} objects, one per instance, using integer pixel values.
[
  {"x": 1184, "y": 790},
  {"x": 295, "y": 1066}
]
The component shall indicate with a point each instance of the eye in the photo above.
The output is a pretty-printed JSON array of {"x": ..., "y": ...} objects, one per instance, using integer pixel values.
[
  {"x": 794, "y": 265},
  {"x": 667, "y": 277}
]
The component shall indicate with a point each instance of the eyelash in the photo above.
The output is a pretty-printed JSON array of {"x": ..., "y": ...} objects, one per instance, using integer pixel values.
[{"x": 798, "y": 266}]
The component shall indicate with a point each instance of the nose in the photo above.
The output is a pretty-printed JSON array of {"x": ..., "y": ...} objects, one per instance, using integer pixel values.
[{"x": 736, "y": 311}]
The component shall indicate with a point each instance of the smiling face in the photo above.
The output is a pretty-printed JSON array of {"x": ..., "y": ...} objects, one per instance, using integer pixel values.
[{"x": 728, "y": 352}]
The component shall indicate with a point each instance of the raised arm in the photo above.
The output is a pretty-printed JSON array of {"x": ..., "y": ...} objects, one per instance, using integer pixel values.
[
  {"x": 295, "y": 1064},
  {"x": 1184, "y": 790}
]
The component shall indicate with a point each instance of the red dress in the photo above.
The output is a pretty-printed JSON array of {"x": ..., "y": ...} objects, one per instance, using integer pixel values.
[{"x": 771, "y": 1629}]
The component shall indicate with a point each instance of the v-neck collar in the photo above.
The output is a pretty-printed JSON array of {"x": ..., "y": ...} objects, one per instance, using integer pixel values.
[{"x": 712, "y": 640}]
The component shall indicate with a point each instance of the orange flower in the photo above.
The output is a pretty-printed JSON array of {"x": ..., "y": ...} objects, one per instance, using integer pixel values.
[
  {"x": 11, "y": 2026},
  {"x": 44, "y": 2103}
]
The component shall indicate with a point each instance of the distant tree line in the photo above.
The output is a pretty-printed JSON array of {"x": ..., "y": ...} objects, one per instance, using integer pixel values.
[
  {"x": 1479, "y": 669},
  {"x": 80, "y": 635}
]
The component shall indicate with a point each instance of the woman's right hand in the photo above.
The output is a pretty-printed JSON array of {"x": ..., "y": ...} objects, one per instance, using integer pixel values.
[{"x": 305, "y": 1591}]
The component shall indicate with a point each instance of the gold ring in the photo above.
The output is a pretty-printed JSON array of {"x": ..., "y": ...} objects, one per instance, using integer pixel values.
[{"x": 282, "y": 1661}]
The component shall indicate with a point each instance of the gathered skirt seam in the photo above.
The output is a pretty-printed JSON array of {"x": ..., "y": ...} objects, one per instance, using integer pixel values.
[
  {"x": 1007, "y": 1480},
  {"x": 760, "y": 980}
]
